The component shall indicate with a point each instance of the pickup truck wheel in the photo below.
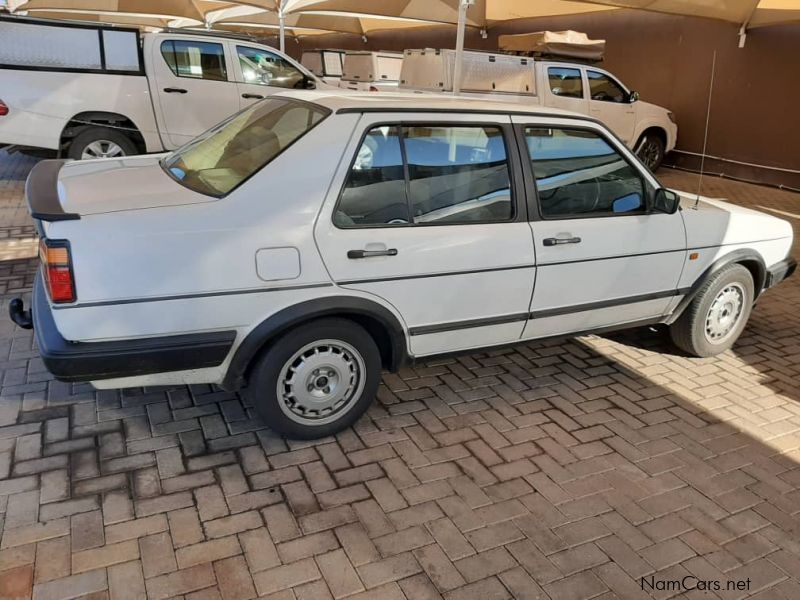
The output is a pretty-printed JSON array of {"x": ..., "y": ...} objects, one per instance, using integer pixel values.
[
  {"x": 100, "y": 142},
  {"x": 716, "y": 317},
  {"x": 316, "y": 380},
  {"x": 650, "y": 151}
]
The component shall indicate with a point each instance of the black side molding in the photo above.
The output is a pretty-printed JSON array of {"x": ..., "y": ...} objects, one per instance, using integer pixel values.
[
  {"x": 780, "y": 271},
  {"x": 41, "y": 191},
  {"x": 90, "y": 361}
]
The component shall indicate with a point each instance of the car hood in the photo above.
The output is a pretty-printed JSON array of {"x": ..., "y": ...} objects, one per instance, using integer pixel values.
[
  {"x": 106, "y": 185},
  {"x": 713, "y": 222}
]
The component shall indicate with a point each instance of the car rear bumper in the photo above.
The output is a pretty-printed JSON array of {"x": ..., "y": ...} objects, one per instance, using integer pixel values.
[
  {"x": 780, "y": 271},
  {"x": 91, "y": 361}
]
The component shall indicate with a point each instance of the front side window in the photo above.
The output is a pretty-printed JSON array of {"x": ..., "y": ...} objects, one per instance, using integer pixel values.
[
  {"x": 198, "y": 60},
  {"x": 450, "y": 175},
  {"x": 265, "y": 68},
  {"x": 565, "y": 82},
  {"x": 605, "y": 89},
  {"x": 225, "y": 156},
  {"x": 579, "y": 174}
]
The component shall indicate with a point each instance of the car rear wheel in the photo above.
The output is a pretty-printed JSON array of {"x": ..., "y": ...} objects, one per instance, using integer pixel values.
[
  {"x": 650, "y": 150},
  {"x": 716, "y": 317},
  {"x": 100, "y": 142},
  {"x": 316, "y": 380}
]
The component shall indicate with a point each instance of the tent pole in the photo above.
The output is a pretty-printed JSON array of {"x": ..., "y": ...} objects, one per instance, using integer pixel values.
[
  {"x": 282, "y": 28},
  {"x": 463, "y": 5}
]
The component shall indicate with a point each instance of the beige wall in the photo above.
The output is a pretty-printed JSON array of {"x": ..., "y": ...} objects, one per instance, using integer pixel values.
[{"x": 755, "y": 110}]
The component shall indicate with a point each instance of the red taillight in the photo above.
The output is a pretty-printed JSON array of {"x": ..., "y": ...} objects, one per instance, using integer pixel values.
[
  {"x": 57, "y": 268},
  {"x": 3, "y": 109}
]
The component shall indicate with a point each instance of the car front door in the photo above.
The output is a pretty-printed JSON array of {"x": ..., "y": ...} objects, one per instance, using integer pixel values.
[
  {"x": 564, "y": 88},
  {"x": 260, "y": 73},
  {"x": 604, "y": 256},
  {"x": 193, "y": 90},
  {"x": 610, "y": 103},
  {"x": 428, "y": 215}
]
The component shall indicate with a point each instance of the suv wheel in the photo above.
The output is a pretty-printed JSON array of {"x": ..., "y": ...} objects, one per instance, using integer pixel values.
[
  {"x": 716, "y": 317},
  {"x": 650, "y": 151},
  {"x": 317, "y": 379}
]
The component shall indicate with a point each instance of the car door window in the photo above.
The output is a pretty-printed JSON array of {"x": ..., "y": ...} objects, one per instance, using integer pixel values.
[
  {"x": 197, "y": 60},
  {"x": 450, "y": 175},
  {"x": 262, "y": 67},
  {"x": 565, "y": 82},
  {"x": 580, "y": 174},
  {"x": 605, "y": 89}
]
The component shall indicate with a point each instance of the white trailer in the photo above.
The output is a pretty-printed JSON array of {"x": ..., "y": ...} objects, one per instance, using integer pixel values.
[
  {"x": 93, "y": 91},
  {"x": 325, "y": 64},
  {"x": 371, "y": 71}
]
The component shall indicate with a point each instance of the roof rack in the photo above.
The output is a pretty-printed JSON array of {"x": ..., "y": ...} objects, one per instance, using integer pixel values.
[{"x": 220, "y": 33}]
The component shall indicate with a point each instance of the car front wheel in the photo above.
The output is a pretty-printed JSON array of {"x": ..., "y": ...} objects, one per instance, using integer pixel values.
[
  {"x": 651, "y": 150},
  {"x": 316, "y": 380},
  {"x": 717, "y": 315}
]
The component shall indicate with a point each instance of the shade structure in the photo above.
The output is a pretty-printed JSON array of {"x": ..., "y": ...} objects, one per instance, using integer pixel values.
[
  {"x": 195, "y": 10},
  {"x": 485, "y": 13},
  {"x": 141, "y": 21}
]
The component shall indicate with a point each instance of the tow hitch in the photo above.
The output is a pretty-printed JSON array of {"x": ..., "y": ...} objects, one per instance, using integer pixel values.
[{"x": 18, "y": 314}]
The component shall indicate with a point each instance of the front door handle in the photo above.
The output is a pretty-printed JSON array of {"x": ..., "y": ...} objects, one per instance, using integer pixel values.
[
  {"x": 371, "y": 253},
  {"x": 559, "y": 241},
  {"x": 253, "y": 96},
  {"x": 175, "y": 90}
]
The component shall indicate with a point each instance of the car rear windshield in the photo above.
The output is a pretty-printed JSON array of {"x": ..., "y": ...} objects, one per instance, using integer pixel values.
[{"x": 223, "y": 157}]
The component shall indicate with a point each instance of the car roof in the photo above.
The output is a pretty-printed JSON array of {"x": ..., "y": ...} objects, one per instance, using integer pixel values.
[{"x": 421, "y": 102}]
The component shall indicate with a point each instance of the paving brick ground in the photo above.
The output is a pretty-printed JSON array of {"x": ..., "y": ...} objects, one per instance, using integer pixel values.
[{"x": 568, "y": 469}]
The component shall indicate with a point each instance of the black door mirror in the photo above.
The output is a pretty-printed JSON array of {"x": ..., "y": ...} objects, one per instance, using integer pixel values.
[
  {"x": 666, "y": 201},
  {"x": 309, "y": 83},
  {"x": 633, "y": 96}
]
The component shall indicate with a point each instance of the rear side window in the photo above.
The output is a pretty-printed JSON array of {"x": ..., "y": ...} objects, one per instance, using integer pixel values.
[
  {"x": 223, "y": 157},
  {"x": 198, "y": 60},
  {"x": 427, "y": 175},
  {"x": 565, "y": 82},
  {"x": 579, "y": 174}
]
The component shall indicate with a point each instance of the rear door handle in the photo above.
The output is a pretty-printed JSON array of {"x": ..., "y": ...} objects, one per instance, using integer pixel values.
[
  {"x": 559, "y": 241},
  {"x": 175, "y": 90},
  {"x": 370, "y": 253},
  {"x": 253, "y": 96}
]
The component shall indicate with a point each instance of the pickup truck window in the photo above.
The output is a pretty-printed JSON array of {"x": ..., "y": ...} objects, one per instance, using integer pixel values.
[
  {"x": 227, "y": 155},
  {"x": 451, "y": 174},
  {"x": 265, "y": 68},
  {"x": 579, "y": 174},
  {"x": 198, "y": 60},
  {"x": 605, "y": 89},
  {"x": 565, "y": 82}
]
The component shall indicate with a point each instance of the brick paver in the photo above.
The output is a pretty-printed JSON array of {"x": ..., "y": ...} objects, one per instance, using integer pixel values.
[{"x": 566, "y": 469}]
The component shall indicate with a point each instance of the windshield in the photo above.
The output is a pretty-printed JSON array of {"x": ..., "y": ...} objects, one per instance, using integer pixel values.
[{"x": 220, "y": 159}]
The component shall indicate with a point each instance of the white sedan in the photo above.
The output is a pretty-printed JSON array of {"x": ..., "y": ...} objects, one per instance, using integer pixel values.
[{"x": 312, "y": 240}]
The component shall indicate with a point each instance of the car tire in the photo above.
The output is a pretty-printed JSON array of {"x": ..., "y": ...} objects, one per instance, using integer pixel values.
[
  {"x": 715, "y": 318},
  {"x": 651, "y": 150},
  {"x": 100, "y": 142},
  {"x": 315, "y": 380}
]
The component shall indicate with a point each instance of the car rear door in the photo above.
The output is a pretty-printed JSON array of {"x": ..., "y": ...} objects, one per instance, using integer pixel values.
[
  {"x": 194, "y": 89},
  {"x": 604, "y": 257},
  {"x": 427, "y": 213},
  {"x": 564, "y": 87}
]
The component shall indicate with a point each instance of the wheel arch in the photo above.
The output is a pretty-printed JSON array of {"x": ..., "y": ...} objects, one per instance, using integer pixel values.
[
  {"x": 655, "y": 129},
  {"x": 99, "y": 118},
  {"x": 750, "y": 259},
  {"x": 384, "y": 327}
]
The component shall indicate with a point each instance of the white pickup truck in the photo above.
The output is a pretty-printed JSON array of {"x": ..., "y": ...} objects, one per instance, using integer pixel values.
[
  {"x": 91, "y": 91},
  {"x": 649, "y": 130}
]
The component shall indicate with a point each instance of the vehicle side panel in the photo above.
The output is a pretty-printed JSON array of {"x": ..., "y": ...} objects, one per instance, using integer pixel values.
[{"x": 41, "y": 103}]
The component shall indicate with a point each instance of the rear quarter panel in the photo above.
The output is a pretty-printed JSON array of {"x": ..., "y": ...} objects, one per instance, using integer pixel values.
[
  {"x": 42, "y": 102},
  {"x": 183, "y": 269}
]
